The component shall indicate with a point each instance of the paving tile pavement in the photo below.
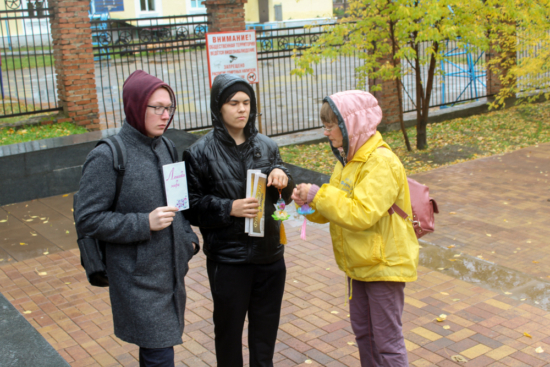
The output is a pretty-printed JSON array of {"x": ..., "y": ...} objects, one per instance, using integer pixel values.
[
  {"x": 486, "y": 328},
  {"x": 496, "y": 208}
]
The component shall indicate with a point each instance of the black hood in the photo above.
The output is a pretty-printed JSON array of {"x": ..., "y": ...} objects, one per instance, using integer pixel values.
[{"x": 221, "y": 83}]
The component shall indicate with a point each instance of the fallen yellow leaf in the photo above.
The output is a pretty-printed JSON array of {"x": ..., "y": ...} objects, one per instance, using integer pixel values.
[
  {"x": 446, "y": 327},
  {"x": 44, "y": 218},
  {"x": 440, "y": 268},
  {"x": 27, "y": 312},
  {"x": 334, "y": 312},
  {"x": 67, "y": 232},
  {"x": 65, "y": 195},
  {"x": 527, "y": 335},
  {"x": 539, "y": 350},
  {"x": 33, "y": 234},
  {"x": 444, "y": 293},
  {"x": 458, "y": 358},
  {"x": 457, "y": 255},
  {"x": 450, "y": 246},
  {"x": 507, "y": 292},
  {"x": 308, "y": 361},
  {"x": 23, "y": 243},
  {"x": 67, "y": 283},
  {"x": 46, "y": 252},
  {"x": 41, "y": 273},
  {"x": 453, "y": 259},
  {"x": 535, "y": 262},
  {"x": 34, "y": 216},
  {"x": 45, "y": 222},
  {"x": 28, "y": 220},
  {"x": 351, "y": 343},
  {"x": 452, "y": 213},
  {"x": 488, "y": 235}
]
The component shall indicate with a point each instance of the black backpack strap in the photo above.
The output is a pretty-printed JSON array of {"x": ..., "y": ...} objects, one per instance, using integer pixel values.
[
  {"x": 172, "y": 148},
  {"x": 119, "y": 161}
]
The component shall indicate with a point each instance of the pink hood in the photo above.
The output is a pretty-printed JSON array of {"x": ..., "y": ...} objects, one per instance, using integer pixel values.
[{"x": 358, "y": 115}]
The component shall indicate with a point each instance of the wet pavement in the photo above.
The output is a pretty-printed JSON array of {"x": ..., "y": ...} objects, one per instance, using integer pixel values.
[{"x": 486, "y": 268}]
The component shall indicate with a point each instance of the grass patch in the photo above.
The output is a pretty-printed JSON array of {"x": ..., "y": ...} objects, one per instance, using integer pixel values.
[
  {"x": 450, "y": 142},
  {"x": 26, "y": 62},
  {"x": 38, "y": 132},
  {"x": 9, "y": 108}
]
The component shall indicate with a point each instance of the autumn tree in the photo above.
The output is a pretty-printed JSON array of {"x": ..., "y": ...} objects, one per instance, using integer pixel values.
[
  {"x": 397, "y": 37},
  {"x": 519, "y": 40}
]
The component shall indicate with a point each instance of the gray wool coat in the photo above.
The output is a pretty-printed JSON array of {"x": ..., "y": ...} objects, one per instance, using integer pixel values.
[{"x": 146, "y": 269}]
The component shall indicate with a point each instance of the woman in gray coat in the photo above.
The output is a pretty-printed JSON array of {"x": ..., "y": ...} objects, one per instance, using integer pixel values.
[{"x": 149, "y": 244}]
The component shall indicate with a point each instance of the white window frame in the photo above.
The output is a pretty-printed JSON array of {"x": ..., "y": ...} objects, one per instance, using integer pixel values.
[
  {"x": 35, "y": 26},
  {"x": 147, "y": 14},
  {"x": 195, "y": 10}
]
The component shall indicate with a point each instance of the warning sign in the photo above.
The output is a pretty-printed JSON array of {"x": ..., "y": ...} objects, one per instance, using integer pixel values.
[{"x": 232, "y": 53}]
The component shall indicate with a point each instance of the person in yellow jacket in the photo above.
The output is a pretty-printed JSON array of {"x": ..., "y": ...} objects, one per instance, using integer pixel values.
[{"x": 377, "y": 251}]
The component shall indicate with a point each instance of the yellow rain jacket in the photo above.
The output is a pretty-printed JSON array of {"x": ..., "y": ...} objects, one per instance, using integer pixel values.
[{"x": 369, "y": 244}]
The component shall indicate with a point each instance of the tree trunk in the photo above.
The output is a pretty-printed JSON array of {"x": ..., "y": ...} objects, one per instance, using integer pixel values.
[
  {"x": 421, "y": 135},
  {"x": 398, "y": 85}
]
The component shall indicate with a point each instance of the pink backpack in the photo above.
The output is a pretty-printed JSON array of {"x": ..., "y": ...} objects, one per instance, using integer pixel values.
[{"x": 423, "y": 208}]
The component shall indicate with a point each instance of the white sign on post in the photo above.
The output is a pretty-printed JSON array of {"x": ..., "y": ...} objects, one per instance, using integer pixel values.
[{"x": 232, "y": 53}]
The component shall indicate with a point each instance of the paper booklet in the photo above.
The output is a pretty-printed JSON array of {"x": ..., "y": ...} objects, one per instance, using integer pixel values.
[
  {"x": 249, "y": 193},
  {"x": 175, "y": 184},
  {"x": 256, "y": 187}
]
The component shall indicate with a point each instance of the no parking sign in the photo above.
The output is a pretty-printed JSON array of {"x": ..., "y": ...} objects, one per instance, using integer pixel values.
[{"x": 232, "y": 53}]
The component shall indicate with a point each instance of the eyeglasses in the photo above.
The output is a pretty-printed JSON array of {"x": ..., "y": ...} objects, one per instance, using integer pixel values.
[
  {"x": 329, "y": 129},
  {"x": 159, "y": 110}
]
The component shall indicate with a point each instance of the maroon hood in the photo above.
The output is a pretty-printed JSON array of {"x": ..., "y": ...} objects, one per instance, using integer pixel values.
[{"x": 136, "y": 92}]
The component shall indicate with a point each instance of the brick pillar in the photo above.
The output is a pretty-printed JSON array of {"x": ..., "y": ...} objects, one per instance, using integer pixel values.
[
  {"x": 225, "y": 15},
  {"x": 388, "y": 98},
  {"x": 74, "y": 62}
]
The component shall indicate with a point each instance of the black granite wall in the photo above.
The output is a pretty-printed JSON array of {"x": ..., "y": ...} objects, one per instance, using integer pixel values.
[{"x": 53, "y": 166}]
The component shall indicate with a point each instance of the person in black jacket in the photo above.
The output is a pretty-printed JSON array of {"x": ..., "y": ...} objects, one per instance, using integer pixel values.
[{"x": 246, "y": 274}]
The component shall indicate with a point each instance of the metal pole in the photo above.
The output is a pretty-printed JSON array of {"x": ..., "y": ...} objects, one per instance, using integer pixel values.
[{"x": 259, "y": 107}]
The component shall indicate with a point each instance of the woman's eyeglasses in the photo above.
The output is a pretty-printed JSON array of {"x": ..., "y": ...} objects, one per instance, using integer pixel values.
[
  {"x": 328, "y": 130},
  {"x": 159, "y": 110}
]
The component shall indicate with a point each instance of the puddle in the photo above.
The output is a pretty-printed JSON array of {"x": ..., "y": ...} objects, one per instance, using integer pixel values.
[{"x": 486, "y": 274}]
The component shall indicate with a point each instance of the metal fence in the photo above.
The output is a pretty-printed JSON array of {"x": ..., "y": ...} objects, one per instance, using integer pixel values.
[
  {"x": 27, "y": 76},
  {"x": 461, "y": 76},
  {"x": 171, "y": 48},
  {"x": 290, "y": 103}
]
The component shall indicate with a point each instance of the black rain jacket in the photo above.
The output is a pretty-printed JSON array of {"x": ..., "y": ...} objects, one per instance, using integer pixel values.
[{"x": 216, "y": 176}]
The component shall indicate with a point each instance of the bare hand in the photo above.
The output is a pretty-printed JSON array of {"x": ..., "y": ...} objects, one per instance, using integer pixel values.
[
  {"x": 277, "y": 178},
  {"x": 299, "y": 194},
  {"x": 247, "y": 208},
  {"x": 162, "y": 217}
]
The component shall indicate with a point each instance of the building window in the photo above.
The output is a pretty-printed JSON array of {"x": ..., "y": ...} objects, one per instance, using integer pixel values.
[
  {"x": 148, "y": 5},
  {"x": 197, "y": 4}
]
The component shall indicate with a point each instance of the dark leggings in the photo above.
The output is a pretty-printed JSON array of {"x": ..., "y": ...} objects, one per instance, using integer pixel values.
[{"x": 156, "y": 357}]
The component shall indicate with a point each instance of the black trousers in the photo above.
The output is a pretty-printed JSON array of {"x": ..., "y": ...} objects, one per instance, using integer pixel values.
[
  {"x": 156, "y": 357},
  {"x": 238, "y": 290}
]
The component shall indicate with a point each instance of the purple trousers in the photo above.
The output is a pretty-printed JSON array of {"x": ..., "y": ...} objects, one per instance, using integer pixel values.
[{"x": 375, "y": 313}]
